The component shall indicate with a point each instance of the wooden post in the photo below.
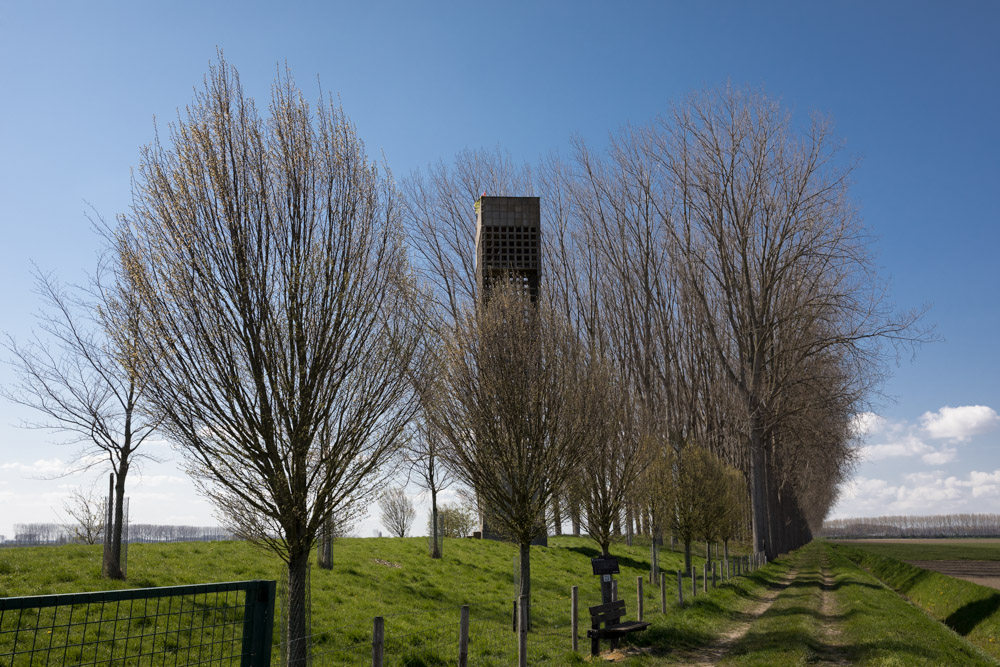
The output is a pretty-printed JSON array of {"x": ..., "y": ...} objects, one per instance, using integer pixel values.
[
  {"x": 513, "y": 616},
  {"x": 522, "y": 635},
  {"x": 638, "y": 595},
  {"x": 704, "y": 577},
  {"x": 680, "y": 588},
  {"x": 694, "y": 582},
  {"x": 574, "y": 595},
  {"x": 663, "y": 592},
  {"x": 614, "y": 590},
  {"x": 714, "y": 564},
  {"x": 378, "y": 642},
  {"x": 463, "y": 637}
]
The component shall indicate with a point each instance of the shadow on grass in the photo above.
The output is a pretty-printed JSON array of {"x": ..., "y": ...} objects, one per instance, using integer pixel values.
[
  {"x": 592, "y": 552},
  {"x": 964, "y": 619}
]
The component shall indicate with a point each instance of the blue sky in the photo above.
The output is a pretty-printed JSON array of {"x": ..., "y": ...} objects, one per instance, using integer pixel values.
[{"x": 913, "y": 89}]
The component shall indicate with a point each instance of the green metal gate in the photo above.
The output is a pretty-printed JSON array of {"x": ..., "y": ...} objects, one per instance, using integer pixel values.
[{"x": 205, "y": 624}]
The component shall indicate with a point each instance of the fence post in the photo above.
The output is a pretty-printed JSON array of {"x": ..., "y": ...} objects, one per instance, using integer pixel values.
[
  {"x": 694, "y": 582},
  {"x": 513, "y": 617},
  {"x": 680, "y": 588},
  {"x": 574, "y": 595},
  {"x": 704, "y": 577},
  {"x": 463, "y": 637},
  {"x": 258, "y": 624},
  {"x": 638, "y": 594},
  {"x": 378, "y": 642},
  {"x": 714, "y": 564},
  {"x": 663, "y": 592},
  {"x": 522, "y": 634}
]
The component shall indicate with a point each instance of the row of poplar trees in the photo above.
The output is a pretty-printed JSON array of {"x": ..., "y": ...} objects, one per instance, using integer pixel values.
[{"x": 283, "y": 312}]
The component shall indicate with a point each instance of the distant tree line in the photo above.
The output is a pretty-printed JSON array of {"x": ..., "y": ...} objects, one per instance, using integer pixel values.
[
  {"x": 54, "y": 533},
  {"x": 941, "y": 525}
]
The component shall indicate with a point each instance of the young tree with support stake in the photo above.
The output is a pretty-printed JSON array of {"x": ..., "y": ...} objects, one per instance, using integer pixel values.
[
  {"x": 512, "y": 408},
  {"x": 266, "y": 259},
  {"x": 78, "y": 372}
]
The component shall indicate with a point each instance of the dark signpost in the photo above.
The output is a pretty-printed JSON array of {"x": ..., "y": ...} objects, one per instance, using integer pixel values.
[{"x": 604, "y": 567}]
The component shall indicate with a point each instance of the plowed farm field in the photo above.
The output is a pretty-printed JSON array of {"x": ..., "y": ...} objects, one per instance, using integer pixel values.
[{"x": 974, "y": 559}]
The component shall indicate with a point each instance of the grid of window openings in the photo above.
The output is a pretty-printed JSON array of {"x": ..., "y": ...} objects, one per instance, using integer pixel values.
[{"x": 508, "y": 234}]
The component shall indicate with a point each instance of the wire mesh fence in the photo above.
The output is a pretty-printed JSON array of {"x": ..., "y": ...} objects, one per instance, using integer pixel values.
[{"x": 217, "y": 624}]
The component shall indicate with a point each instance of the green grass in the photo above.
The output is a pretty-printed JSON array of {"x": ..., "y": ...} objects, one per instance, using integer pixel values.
[
  {"x": 970, "y": 549},
  {"x": 420, "y": 600},
  {"x": 972, "y": 611},
  {"x": 867, "y": 623}
]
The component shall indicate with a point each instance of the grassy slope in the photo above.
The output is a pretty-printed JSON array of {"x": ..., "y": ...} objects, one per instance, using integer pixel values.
[
  {"x": 931, "y": 550},
  {"x": 971, "y": 610},
  {"x": 420, "y": 600}
]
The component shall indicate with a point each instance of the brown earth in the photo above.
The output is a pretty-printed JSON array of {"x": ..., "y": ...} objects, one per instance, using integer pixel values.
[
  {"x": 926, "y": 540},
  {"x": 982, "y": 572}
]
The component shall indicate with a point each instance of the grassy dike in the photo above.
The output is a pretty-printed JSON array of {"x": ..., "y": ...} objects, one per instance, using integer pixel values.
[
  {"x": 420, "y": 598},
  {"x": 970, "y": 610},
  {"x": 855, "y": 619}
]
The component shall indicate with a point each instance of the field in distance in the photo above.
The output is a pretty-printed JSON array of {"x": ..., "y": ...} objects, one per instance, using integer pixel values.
[{"x": 973, "y": 559}]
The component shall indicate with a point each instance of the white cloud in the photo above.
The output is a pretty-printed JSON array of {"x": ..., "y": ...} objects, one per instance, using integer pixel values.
[
  {"x": 943, "y": 455},
  {"x": 41, "y": 467},
  {"x": 960, "y": 423},
  {"x": 907, "y": 445},
  {"x": 932, "y": 492},
  {"x": 864, "y": 424}
]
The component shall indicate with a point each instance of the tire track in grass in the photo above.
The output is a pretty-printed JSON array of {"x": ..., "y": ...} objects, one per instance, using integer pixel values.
[
  {"x": 717, "y": 650},
  {"x": 834, "y": 652}
]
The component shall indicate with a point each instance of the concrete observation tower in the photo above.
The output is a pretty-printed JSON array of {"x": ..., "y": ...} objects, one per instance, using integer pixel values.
[{"x": 508, "y": 247}]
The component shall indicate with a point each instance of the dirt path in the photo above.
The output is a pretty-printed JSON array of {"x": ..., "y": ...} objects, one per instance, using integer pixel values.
[{"x": 717, "y": 650}]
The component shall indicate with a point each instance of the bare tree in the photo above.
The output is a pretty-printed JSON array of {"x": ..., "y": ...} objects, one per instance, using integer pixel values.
[
  {"x": 77, "y": 372},
  {"x": 512, "y": 410},
  {"x": 397, "y": 512},
  {"x": 267, "y": 260},
  {"x": 422, "y": 452},
  {"x": 607, "y": 479},
  {"x": 774, "y": 255},
  {"x": 86, "y": 516}
]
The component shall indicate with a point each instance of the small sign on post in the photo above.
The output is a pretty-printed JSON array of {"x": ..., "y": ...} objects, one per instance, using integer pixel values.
[{"x": 605, "y": 568}]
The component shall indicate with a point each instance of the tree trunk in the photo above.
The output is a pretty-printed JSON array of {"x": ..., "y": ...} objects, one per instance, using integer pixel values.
[
  {"x": 758, "y": 486},
  {"x": 436, "y": 548},
  {"x": 298, "y": 633},
  {"x": 525, "y": 592},
  {"x": 556, "y": 516},
  {"x": 574, "y": 518},
  {"x": 687, "y": 555},
  {"x": 725, "y": 548},
  {"x": 708, "y": 553},
  {"x": 114, "y": 564},
  {"x": 325, "y": 551}
]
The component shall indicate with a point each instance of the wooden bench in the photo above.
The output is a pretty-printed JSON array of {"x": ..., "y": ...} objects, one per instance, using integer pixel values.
[{"x": 610, "y": 615}]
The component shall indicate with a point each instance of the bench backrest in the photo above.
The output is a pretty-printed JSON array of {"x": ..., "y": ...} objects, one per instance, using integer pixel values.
[{"x": 607, "y": 613}]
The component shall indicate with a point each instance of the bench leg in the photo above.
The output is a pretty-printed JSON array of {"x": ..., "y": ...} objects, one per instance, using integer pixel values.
[{"x": 595, "y": 646}]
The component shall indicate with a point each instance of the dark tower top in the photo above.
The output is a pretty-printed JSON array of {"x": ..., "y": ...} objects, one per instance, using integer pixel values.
[{"x": 508, "y": 243}]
